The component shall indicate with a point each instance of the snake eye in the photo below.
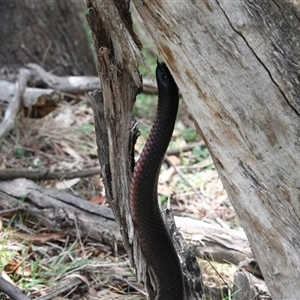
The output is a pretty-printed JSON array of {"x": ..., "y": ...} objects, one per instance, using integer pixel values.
[{"x": 164, "y": 78}]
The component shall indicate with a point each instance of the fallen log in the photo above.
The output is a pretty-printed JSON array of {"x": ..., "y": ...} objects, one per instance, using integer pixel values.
[
  {"x": 73, "y": 215},
  {"x": 61, "y": 210}
]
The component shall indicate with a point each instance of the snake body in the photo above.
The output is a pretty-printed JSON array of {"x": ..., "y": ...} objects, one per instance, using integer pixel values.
[{"x": 154, "y": 239}]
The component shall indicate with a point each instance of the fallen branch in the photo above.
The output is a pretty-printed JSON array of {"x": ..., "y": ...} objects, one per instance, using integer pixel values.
[
  {"x": 67, "y": 213},
  {"x": 60, "y": 210},
  {"x": 30, "y": 96},
  {"x": 247, "y": 286},
  {"x": 214, "y": 242},
  {"x": 46, "y": 174},
  {"x": 64, "y": 287},
  {"x": 14, "y": 105},
  {"x": 66, "y": 84},
  {"x": 11, "y": 94},
  {"x": 55, "y": 85}
]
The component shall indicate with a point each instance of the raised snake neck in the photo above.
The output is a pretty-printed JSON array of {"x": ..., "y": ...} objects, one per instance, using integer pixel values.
[{"x": 154, "y": 239}]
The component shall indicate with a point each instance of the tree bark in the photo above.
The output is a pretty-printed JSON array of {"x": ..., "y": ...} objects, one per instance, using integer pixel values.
[
  {"x": 121, "y": 82},
  {"x": 15, "y": 103},
  {"x": 49, "y": 33},
  {"x": 237, "y": 66},
  {"x": 117, "y": 55}
]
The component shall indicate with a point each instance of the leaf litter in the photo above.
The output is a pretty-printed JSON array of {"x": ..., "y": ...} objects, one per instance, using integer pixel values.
[{"x": 42, "y": 261}]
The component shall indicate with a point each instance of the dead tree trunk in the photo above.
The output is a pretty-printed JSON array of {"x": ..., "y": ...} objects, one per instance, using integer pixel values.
[
  {"x": 118, "y": 52},
  {"x": 237, "y": 66},
  {"x": 120, "y": 82},
  {"x": 49, "y": 33}
]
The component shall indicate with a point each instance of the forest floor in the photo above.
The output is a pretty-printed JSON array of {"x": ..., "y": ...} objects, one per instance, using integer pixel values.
[
  {"x": 64, "y": 140},
  {"x": 61, "y": 137}
]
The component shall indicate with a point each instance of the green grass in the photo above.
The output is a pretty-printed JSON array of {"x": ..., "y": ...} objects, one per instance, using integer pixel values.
[{"x": 45, "y": 265}]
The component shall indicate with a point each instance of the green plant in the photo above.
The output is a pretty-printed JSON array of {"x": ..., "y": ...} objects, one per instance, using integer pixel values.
[
  {"x": 200, "y": 153},
  {"x": 190, "y": 135},
  {"x": 20, "y": 153},
  {"x": 87, "y": 128}
]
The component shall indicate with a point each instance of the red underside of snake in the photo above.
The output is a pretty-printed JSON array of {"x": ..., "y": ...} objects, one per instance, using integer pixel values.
[{"x": 154, "y": 239}]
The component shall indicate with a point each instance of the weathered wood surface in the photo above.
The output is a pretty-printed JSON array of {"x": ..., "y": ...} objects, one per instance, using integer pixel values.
[
  {"x": 46, "y": 174},
  {"x": 117, "y": 57},
  {"x": 237, "y": 66},
  {"x": 59, "y": 84},
  {"x": 118, "y": 53},
  {"x": 213, "y": 242},
  {"x": 15, "y": 103},
  {"x": 247, "y": 286},
  {"x": 60, "y": 210},
  {"x": 74, "y": 215}
]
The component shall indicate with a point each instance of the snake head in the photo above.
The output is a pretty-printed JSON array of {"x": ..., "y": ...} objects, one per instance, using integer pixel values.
[{"x": 164, "y": 78}]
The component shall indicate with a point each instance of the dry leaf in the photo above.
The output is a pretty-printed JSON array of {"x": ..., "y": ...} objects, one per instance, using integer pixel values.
[
  {"x": 11, "y": 266},
  {"x": 92, "y": 292},
  {"x": 81, "y": 277},
  {"x": 163, "y": 189},
  {"x": 71, "y": 151},
  {"x": 23, "y": 271},
  {"x": 98, "y": 200},
  {"x": 166, "y": 175},
  {"x": 175, "y": 160}
]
